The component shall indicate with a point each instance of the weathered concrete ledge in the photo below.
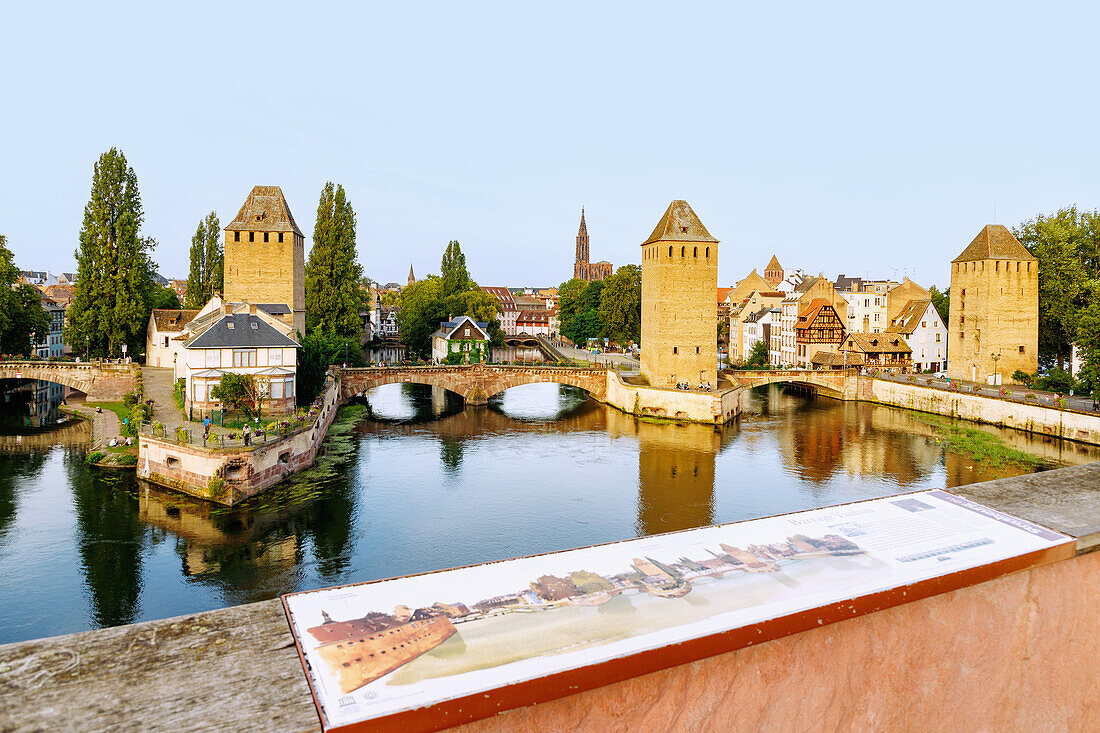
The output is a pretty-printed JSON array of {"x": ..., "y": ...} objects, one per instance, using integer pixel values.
[
  {"x": 994, "y": 652},
  {"x": 716, "y": 407}
]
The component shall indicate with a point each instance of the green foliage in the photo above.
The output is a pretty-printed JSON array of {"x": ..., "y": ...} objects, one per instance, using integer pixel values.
[
  {"x": 1058, "y": 380},
  {"x": 571, "y": 308},
  {"x": 453, "y": 272},
  {"x": 423, "y": 305},
  {"x": 23, "y": 320},
  {"x": 94, "y": 457},
  {"x": 941, "y": 301},
  {"x": 318, "y": 353},
  {"x": 333, "y": 295},
  {"x": 976, "y": 444},
  {"x": 620, "y": 305},
  {"x": 758, "y": 357},
  {"x": 163, "y": 297},
  {"x": 111, "y": 300},
  {"x": 1067, "y": 245},
  {"x": 178, "y": 390},
  {"x": 126, "y": 459},
  {"x": 207, "y": 262},
  {"x": 239, "y": 392},
  {"x": 129, "y": 399},
  {"x": 1022, "y": 377},
  {"x": 1088, "y": 339},
  {"x": 389, "y": 298}
]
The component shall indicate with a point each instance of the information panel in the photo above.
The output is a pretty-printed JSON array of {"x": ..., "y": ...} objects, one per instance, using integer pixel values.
[{"x": 380, "y": 649}]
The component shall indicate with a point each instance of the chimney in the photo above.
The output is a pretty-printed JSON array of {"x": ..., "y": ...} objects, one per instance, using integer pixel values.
[{"x": 252, "y": 309}]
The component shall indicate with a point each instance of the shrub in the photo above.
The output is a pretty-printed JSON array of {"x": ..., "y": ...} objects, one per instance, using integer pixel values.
[
  {"x": 1004, "y": 392},
  {"x": 129, "y": 399},
  {"x": 94, "y": 457},
  {"x": 1030, "y": 396},
  {"x": 1060, "y": 403},
  {"x": 127, "y": 459},
  {"x": 1022, "y": 377}
]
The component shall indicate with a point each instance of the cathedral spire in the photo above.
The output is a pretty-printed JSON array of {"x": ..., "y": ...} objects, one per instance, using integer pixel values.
[
  {"x": 412, "y": 277},
  {"x": 580, "y": 267}
]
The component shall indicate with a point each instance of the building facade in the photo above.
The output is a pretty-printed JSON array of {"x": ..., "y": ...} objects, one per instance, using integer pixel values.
[
  {"x": 819, "y": 330},
  {"x": 461, "y": 341},
  {"x": 994, "y": 317},
  {"x": 265, "y": 255},
  {"x": 679, "y": 310},
  {"x": 920, "y": 324},
  {"x": 582, "y": 268}
]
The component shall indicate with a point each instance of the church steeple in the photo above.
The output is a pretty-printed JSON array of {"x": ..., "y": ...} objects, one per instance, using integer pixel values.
[
  {"x": 412, "y": 277},
  {"x": 580, "y": 267}
]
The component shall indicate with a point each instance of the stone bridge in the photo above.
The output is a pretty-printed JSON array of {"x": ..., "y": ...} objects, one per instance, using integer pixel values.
[
  {"x": 100, "y": 381},
  {"x": 475, "y": 383},
  {"x": 832, "y": 382}
]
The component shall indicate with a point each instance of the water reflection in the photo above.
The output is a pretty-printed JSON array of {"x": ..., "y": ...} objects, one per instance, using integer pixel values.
[{"x": 428, "y": 484}]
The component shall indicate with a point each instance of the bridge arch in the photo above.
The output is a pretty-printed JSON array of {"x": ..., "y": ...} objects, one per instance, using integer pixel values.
[
  {"x": 475, "y": 383},
  {"x": 830, "y": 383},
  {"x": 100, "y": 382}
]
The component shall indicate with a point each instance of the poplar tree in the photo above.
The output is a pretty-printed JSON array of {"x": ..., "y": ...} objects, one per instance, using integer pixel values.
[
  {"x": 110, "y": 304},
  {"x": 333, "y": 295},
  {"x": 207, "y": 261},
  {"x": 456, "y": 278}
]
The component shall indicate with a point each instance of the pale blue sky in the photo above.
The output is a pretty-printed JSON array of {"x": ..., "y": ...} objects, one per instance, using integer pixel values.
[{"x": 866, "y": 139}]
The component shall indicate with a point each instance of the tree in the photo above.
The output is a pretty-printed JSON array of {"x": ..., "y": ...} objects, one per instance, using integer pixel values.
[
  {"x": 1088, "y": 338},
  {"x": 23, "y": 320},
  {"x": 320, "y": 351},
  {"x": 941, "y": 301},
  {"x": 456, "y": 278},
  {"x": 758, "y": 355},
  {"x": 240, "y": 392},
  {"x": 420, "y": 311},
  {"x": 571, "y": 308},
  {"x": 110, "y": 304},
  {"x": 207, "y": 262},
  {"x": 592, "y": 326},
  {"x": 333, "y": 296},
  {"x": 1063, "y": 243},
  {"x": 164, "y": 298},
  {"x": 620, "y": 309}
]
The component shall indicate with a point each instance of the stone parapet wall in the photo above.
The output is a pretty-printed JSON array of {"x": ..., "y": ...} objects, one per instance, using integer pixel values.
[
  {"x": 674, "y": 404},
  {"x": 1068, "y": 424}
]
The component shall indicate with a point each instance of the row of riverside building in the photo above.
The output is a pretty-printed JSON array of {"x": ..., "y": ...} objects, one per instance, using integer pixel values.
[{"x": 813, "y": 322}]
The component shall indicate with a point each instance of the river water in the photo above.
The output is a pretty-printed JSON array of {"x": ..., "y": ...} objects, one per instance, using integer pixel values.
[{"x": 427, "y": 485}]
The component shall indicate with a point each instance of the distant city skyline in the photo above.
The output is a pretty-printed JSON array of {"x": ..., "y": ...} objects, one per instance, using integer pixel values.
[{"x": 868, "y": 141}]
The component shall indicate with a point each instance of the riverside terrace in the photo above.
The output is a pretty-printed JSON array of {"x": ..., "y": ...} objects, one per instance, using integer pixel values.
[{"x": 1005, "y": 645}]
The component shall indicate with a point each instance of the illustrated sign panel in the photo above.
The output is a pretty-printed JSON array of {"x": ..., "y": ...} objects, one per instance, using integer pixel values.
[{"x": 378, "y": 649}]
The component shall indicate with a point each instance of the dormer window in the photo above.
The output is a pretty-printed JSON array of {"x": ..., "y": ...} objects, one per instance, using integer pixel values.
[
  {"x": 684, "y": 230},
  {"x": 230, "y": 325},
  {"x": 255, "y": 325}
]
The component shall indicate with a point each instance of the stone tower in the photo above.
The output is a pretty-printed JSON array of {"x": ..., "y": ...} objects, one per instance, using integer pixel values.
[
  {"x": 580, "y": 267},
  {"x": 773, "y": 273},
  {"x": 994, "y": 315},
  {"x": 265, "y": 256},
  {"x": 412, "y": 277},
  {"x": 679, "y": 310}
]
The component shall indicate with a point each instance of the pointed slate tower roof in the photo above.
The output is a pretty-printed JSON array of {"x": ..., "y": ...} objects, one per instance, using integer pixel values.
[
  {"x": 680, "y": 224},
  {"x": 412, "y": 277},
  {"x": 265, "y": 210},
  {"x": 994, "y": 242}
]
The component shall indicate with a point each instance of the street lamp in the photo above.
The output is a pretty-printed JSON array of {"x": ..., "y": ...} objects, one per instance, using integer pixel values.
[{"x": 997, "y": 374}]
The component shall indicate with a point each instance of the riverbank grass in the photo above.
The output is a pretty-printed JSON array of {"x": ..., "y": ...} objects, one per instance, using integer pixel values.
[{"x": 977, "y": 444}]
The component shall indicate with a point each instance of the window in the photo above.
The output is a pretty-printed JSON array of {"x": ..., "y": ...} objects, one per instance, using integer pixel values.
[
  {"x": 937, "y": 338},
  {"x": 924, "y": 324},
  {"x": 670, "y": 252},
  {"x": 962, "y": 335},
  {"x": 694, "y": 251},
  {"x": 276, "y": 389},
  {"x": 275, "y": 357},
  {"x": 1021, "y": 349},
  {"x": 674, "y": 350},
  {"x": 236, "y": 236},
  {"x": 697, "y": 348},
  {"x": 252, "y": 236},
  {"x": 213, "y": 358},
  {"x": 708, "y": 252},
  {"x": 265, "y": 237},
  {"x": 683, "y": 251},
  {"x": 244, "y": 357},
  {"x": 166, "y": 342},
  {"x": 280, "y": 237}
]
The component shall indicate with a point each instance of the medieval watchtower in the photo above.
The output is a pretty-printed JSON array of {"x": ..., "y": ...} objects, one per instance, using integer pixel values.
[
  {"x": 265, "y": 256},
  {"x": 994, "y": 312},
  {"x": 679, "y": 310}
]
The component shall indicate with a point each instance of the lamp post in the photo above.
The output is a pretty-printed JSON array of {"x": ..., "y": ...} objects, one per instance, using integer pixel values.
[{"x": 997, "y": 374}]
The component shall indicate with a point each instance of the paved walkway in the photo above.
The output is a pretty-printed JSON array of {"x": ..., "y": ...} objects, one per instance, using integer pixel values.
[
  {"x": 104, "y": 424},
  {"x": 609, "y": 358},
  {"x": 1015, "y": 391},
  {"x": 158, "y": 387}
]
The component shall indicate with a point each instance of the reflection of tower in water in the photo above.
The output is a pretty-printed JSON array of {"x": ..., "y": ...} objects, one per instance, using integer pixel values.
[{"x": 675, "y": 476}]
